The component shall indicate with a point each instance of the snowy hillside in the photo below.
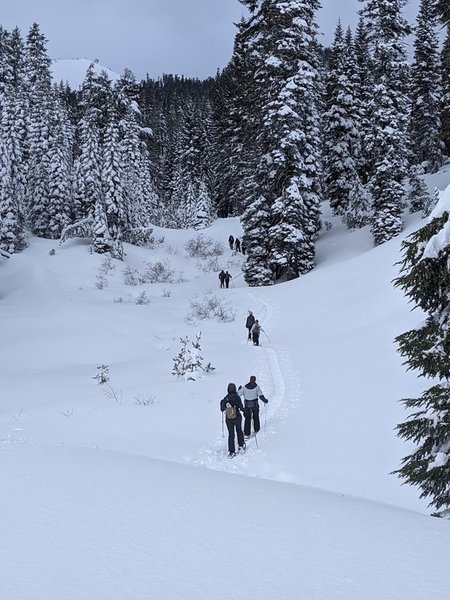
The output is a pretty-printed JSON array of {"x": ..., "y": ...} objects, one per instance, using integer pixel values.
[
  {"x": 73, "y": 71},
  {"x": 107, "y": 494}
]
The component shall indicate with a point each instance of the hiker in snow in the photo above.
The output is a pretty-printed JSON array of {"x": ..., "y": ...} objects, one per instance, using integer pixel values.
[
  {"x": 251, "y": 393},
  {"x": 222, "y": 278},
  {"x": 237, "y": 245},
  {"x": 232, "y": 406},
  {"x": 231, "y": 242},
  {"x": 249, "y": 323},
  {"x": 256, "y": 330},
  {"x": 243, "y": 248},
  {"x": 227, "y": 279}
]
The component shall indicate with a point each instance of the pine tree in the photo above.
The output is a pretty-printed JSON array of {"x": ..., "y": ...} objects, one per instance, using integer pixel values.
[
  {"x": 445, "y": 114},
  {"x": 418, "y": 196},
  {"x": 342, "y": 134},
  {"x": 389, "y": 113},
  {"x": 426, "y": 91},
  {"x": 425, "y": 279},
  {"x": 286, "y": 192},
  {"x": 38, "y": 82}
]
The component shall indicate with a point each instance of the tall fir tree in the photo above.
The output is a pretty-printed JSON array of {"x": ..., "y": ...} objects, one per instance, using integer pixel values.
[
  {"x": 425, "y": 279},
  {"x": 387, "y": 30},
  {"x": 426, "y": 91},
  {"x": 282, "y": 37},
  {"x": 445, "y": 114},
  {"x": 342, "y": 134}
]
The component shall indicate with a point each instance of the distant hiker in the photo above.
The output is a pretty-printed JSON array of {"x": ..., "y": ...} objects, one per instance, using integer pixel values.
[
  {"x": 222, "y": 278},
  {"x": 251, "y": 393},
  {"x": 231, "y": 242},
  {"x": 232, "y": 406},
  {"x": 243, "y": 248},
  {"x": 237, "y": 245},
  {"x": 249, "y": 323},
  {"x": 256, "y": 330},
  {"x": 227, "y": 279}
]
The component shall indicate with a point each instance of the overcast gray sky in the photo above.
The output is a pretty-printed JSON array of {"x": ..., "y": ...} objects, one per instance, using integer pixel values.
[{"x": 190, "y": 37}]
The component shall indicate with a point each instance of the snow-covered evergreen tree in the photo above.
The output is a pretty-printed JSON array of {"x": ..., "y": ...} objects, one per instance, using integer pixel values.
[
  {"x": 426, "y": 91},
  {"x": 387, "y": 30},
  {"x": 286, "y": 76},
  {"x": 445, "y": 114},
  {"x": 113, "y": 193},
  {"x": 418, "y": 197},
  {"x": 425, "y": 279},
  {"x": 342, "y": 134}
]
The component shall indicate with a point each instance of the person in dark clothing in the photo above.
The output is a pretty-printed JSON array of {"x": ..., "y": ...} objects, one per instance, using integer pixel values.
[
  {"x": 251, "y": 393},
  {"x": 231, "y": 242},
  {"x": 249, "y": 323},
  {"x": 243, "y": 249},
  {"x": 234, "y": 425},
  {"x": 256, "y": 330},
  {"x": 222, "y": 278},
  {"x": 227, "y": 279},
  {"x": 237, "y": 245}
]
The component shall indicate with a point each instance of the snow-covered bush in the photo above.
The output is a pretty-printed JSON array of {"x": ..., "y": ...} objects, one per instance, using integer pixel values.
[
  {"x": 131, "y": 276},
  {"x": 159, "y": 272},
  {"x": 210, "y": 307},
  {"x": 203, "y": 247},
  {"x": 140, "y": 236},
  {"x": 166, "y": 293},
  {"x": 142, "y": 298},
  {"x": 102, "y": 374},
  {"x": 208, "y": 265},
  {"x": 144, "y": 400},
  {"x": 188, "y": 363}
]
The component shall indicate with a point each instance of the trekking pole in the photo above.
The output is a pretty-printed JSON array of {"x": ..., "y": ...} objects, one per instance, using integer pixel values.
[
  {"x": 223, "y": 434},
  {"x": 265, "y": 334},
  {"x": 256, "y": 440},
  {"x": 265, "y": 417}
]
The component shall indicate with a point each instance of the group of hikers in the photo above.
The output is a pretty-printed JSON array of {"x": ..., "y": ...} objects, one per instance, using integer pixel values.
[
  {"x": 224, "y": 278},
  {"x": 235, "y": 244},
  {"x": 233, "y": 409}
]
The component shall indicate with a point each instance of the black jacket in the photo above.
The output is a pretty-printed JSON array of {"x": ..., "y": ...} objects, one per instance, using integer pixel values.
[
  {"x": 250, "y": 321},
  {"x": 234, "y": 400}
]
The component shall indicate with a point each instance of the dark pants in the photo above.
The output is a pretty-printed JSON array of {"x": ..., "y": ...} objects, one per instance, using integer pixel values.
[
  {"x": 222, "y": 283},
  {"x": 249, "y": 333},
  {"x": 256, "y": 339},
  {"x": 232, "y": 425},
  {"x": 227, "y": 282},
  {"x": 248, "y": 414}
]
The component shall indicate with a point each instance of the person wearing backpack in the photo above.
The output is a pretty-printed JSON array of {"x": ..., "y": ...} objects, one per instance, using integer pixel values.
[
  {"x": 251, "y": 393},
  {"x": 256, "y": 330},
  {"x": 222, "y": 278},
  {"x": 232, "y": 406}
]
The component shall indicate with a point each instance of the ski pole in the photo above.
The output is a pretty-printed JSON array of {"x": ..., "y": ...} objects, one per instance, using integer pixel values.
[{"x": 265, "y": 334}]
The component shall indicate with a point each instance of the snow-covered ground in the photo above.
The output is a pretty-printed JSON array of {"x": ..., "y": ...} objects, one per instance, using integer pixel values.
[{"x": 126, "y": 492}]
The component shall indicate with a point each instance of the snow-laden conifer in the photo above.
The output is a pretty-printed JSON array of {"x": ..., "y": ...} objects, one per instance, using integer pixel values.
[
  {"x": 426, "y": 91},
  {"x": 425, "y": 279}
]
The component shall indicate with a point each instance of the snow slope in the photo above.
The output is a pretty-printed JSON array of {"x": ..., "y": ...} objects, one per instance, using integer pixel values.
[{"x": 103, "y": 496}]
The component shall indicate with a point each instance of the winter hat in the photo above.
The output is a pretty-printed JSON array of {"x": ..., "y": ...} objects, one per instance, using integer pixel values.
[{"x": 231, "y": 388}]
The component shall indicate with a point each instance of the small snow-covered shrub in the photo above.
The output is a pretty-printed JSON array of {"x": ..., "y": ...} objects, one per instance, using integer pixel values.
[
  {"x": 102, "y": 281},
  {"x": 102, "y": 274},
  {"x": 140, "y": 236},
  {"x": 208, "y": 265},
  {"x": 159, "y": 272},
  {"x": 210, "y": 307},
  {"x": 131, "y": 276},
  {"x": 102, "y": 374},
  {"x": 144, "y": 400},
  {"x": 142, "y": 298},
  {"x": 203, "y": 247},
  {"x": 119, "y": 300},
  {"x": 166, "y": 293},
  {"x": 188, "y": 363}
]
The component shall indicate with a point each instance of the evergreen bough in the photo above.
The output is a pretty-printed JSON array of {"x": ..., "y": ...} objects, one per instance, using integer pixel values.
[{"x": 425, "y": 279}]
